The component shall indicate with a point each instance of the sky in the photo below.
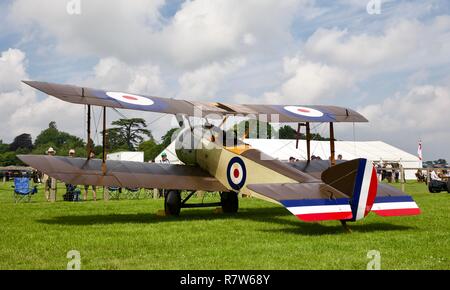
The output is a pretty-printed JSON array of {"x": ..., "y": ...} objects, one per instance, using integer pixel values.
[{"x": 387, "y": 59}]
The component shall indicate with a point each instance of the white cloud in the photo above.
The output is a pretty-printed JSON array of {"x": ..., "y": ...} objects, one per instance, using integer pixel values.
[
  {"x": 12, "y": 68},
  {"x": 421, "y": 113},
  {"x": 113, "y": 74},
  {"x": 21, "y": 110},
  {"x": 200, "y": 32},
  {"x": 403, "y": 44},
  {"x": 423, "y": 109},
  {"x": 203, "y": 83},
  {"x": 310, "y": 82}
]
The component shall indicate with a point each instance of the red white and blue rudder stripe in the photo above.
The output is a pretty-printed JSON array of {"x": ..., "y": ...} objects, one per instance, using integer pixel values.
[
  {"x": 395, "y": 206},
  {"x": 364, "y": 191},
  {"x": 312, "y": 210}
]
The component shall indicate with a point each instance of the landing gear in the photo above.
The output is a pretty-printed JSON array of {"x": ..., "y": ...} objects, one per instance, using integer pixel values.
[
  {"x": 229, "y": 201},
  {"x": 172, "y": 202},
  {"x": 346, "y": 227}
]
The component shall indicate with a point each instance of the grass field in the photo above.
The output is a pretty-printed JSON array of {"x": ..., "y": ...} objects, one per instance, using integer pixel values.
[{"x": 127, "y": 234}]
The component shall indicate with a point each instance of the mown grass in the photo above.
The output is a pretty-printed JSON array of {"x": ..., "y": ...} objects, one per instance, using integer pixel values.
[{"x": 127, "y": 234}]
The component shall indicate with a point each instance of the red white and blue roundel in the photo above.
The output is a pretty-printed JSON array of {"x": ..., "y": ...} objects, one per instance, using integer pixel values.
[
  {"x": 130, "y": 98},
  {"x": 236, "y": 173},
  {"x": 304, "y": 111}
]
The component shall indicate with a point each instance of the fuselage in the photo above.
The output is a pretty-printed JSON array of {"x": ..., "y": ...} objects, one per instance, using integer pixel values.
[{"x": 232, "y": 162}]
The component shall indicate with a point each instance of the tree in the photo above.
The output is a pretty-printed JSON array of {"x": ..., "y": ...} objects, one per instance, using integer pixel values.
[
  {"x": 59, "y": 140},
  {"x": 3, "y": 147},
  {"x": 9, "y": 158},
  {"x": 47, "y": 136},
  {"x": 252, "y": 129},
  {"x": 22, "y": 141},
  {"x": 150, "y": 149},
  {"x": 287, "y": 132},
  {"x": 129, "y": 132}
]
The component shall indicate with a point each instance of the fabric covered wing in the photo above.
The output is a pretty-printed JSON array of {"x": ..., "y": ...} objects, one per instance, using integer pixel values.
[
  {"x": 308, "y": 201},
  {"x": 274, "y": 113},
  {"x": 123, "y": 173}
]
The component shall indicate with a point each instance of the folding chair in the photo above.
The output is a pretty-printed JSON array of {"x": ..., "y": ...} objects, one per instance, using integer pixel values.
[
  {"x": 72, "y": 193},
  {"x": 132, "y": 193},
  {"x": 114, "y": 192},
  {"x": 149, "y": 193},
  {"x": 22, "y": 189}
]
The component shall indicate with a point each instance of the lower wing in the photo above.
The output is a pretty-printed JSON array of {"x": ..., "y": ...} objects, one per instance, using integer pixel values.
[{"x": 123, "y": 173}]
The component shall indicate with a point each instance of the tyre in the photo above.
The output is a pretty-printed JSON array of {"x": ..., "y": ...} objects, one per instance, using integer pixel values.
[
  {"x": 230, "y": 202},
  {"x": 448, "y": 185},
  {"x": 172, "y": 202}
]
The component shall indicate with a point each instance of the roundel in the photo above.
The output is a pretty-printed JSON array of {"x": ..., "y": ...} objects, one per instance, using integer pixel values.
[
  {"x": 236, "y": 173},
  {"x": 304, "y": 111},
  {"x": 130, "y": 98}
]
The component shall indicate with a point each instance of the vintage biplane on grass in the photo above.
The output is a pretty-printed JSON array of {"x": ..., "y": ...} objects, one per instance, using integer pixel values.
[{"x": 312, "y": 190}]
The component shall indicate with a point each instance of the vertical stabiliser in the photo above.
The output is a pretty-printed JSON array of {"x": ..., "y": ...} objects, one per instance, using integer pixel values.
[
  {"x": 365, "y": 190},
  {"x": 357, "y": 179}
]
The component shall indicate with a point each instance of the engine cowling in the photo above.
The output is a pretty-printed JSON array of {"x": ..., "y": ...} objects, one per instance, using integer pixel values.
[{"x": 185, "y": 147}]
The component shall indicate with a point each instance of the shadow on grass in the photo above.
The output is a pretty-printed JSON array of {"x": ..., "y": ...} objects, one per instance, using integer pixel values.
[
  {"x": 317, "y": 229},
  {"x": 274, "y": 215}
]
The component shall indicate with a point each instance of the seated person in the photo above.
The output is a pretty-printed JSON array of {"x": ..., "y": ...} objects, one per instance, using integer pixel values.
[
  {"x": 435, "y": 176},
  {"x": 420, "y": 176}
]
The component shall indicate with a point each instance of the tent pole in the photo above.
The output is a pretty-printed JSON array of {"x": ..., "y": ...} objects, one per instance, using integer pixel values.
[{"x": 332, "y": 157}]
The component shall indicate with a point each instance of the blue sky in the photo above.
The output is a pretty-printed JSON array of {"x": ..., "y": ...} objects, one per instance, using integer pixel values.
[{"x": 393, "y": 67}]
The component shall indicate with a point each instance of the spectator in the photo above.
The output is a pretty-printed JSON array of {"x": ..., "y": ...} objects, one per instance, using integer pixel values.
[
  {"x": 86, "y": 187},
  {"x": 291, "y": 159},
  {"x": 339, "y": 157},
  {"x": 379, "y": 171},
  {"x": 49, "y": 182},
  {"x": 389, "y": 172},
  {"x": 72, "y": 192},
  {"x": 435, "y": 176},
  {"x": 164, "y": 158},
  {"x": 420, "y": 176}
]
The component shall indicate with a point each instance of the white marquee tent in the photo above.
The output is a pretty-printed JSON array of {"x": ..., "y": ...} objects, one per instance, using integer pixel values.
[{"x": 282, "y": 149}]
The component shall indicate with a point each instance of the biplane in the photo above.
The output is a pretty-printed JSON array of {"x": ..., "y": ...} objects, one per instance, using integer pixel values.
[{"x": 312, "y": 190}]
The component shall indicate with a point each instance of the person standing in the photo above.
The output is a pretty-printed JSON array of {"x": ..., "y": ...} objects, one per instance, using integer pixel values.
[
  {"x": 86, "y": 187},
  {"x": 164, "y": 158},
  {"x": 49, "y": 182}
]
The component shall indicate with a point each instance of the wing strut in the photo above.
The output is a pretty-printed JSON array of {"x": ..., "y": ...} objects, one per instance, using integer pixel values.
[
  {"x": 104, "y": 142},
  {"x": 89, "y": 141},
  {"x": 308, "y": 141},
  {"x": 308, "y": 138},
  {"x": 332, "y": 157}
]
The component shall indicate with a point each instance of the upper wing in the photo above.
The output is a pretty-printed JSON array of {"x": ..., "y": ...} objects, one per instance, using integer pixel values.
[
  {"x": 274, "y": 113},
  {"x": 123, "y": 173}
]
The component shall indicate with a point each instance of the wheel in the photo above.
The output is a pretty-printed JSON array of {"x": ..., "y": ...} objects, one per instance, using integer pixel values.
[
  {"x": 448, "y": 185},
  {"x": 431, "y": 188},
  {"x": 230, "y": 202},
  {"x": 172, "y": 202}
]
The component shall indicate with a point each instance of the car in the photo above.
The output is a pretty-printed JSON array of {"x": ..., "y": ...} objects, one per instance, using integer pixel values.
[{"x": 437, "y": 186}]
